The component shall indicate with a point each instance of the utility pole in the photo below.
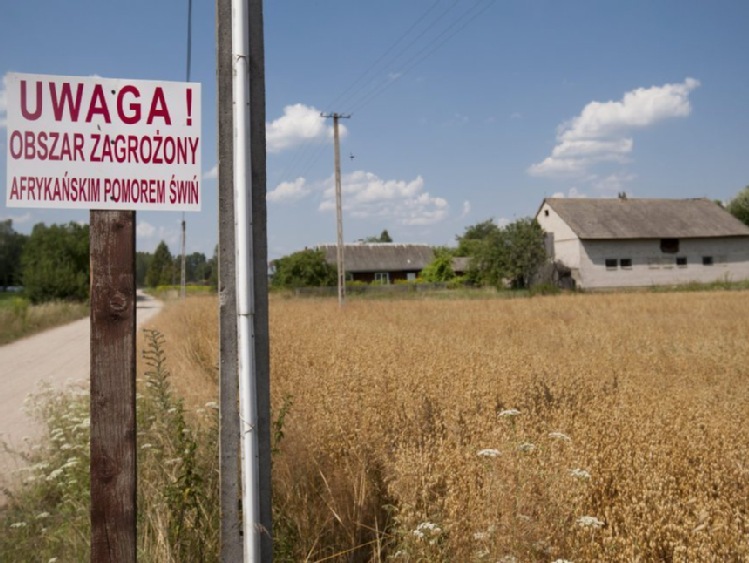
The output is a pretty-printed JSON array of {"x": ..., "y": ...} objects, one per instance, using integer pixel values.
[
  {"x": 183, "y": 280},
  {"x": 338, "y": 208}
]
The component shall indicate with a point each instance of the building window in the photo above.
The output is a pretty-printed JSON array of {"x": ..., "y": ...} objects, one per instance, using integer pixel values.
[
  {"x": 707, "y": 261},
  {"x": 681, "y": 261},
  {"x": 382, "y": 278},
  {"x": 611, "y": 263},
  {"x": 546, "y": 212},
  {"x": 625, "y": 263},
  {"x": 670, "y": 245}
]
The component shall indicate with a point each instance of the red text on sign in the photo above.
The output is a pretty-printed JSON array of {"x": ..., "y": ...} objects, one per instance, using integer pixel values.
[{"x": 67, "y": 102}]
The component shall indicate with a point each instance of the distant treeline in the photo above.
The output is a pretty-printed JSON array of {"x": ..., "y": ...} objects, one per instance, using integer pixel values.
[
  {"x": 161, "y": 268},
  {"x": 52, "y": 263}
]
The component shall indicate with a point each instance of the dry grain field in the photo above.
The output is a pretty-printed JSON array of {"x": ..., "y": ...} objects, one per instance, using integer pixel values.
[{"x": 575, "y": 427}]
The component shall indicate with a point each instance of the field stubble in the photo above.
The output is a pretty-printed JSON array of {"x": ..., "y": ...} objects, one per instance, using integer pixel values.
[{"x": 578, "y": 427}]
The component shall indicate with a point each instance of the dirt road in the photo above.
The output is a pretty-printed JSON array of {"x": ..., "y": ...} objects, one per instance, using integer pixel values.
[{"x": 60, "y": 356}]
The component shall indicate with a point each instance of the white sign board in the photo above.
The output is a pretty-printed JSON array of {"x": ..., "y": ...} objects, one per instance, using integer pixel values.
[{"x": 100, "y": 143}]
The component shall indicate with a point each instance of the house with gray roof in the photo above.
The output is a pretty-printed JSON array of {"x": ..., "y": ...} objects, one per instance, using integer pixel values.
[
  {"x": 380, "y": 261},
  {"x": 386, "y": 262},
  {"x": 627, "y": 242}
]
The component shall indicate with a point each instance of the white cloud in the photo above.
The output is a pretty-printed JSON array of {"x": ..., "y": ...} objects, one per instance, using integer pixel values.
[
  {"x": 406, "y": 203},
  {"x": 289, "y": 191},
  {"x": 17, "y": 219},
  {"x": 572, "y": 193},
  {"x": 4, "y": 102},
  {"x": 298, "y": 124},
  {"x": 212, "y": 174},
  {"x": 466, "y": 209},
  {"x": 145, "y": 230},
  {"x": 613, "y": 183},
  {"x": 601, "y": 132}
]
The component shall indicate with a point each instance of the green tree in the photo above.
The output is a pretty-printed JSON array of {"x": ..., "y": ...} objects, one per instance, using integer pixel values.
[
  {"x": 197, "y": 269},
  {"x": 213, "y": 269},
  {"x": 306, "y": 268},
  {"x": 161, "y": 269},
  {"x": 142, "y": 264},
  {"x": 11, "y": 248},
  {"x": 474, "y": 236},
  {"x": 55, "y": 262},
  {"x": 508, "y": 254},
  {"x": 384, "y": 237},
  {"x": 739, "y": 206},
  {"x": 441, "y": 268}
]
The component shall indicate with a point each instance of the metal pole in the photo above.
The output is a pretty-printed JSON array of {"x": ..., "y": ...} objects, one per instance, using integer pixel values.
[
  {"x": 245, "y": 283},
  {"x": 231, "y": 538},
  {"x": 339, "y": 215}
]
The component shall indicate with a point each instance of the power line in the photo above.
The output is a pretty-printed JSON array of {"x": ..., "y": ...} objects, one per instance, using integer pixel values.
[
  {"x": 426, "y": 52},
  {"x": 383, "y": 55},
  {"x": 358, "y": 95}
]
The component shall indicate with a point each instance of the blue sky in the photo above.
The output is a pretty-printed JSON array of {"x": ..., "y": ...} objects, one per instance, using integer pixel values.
[{"x": 461, "y": 110}]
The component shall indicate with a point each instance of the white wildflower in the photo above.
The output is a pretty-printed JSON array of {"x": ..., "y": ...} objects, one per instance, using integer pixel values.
[
  {"x": 42, "y": 515},
  {"x": 481, "y": 554},
  {"x": 66, "y": 446},
  {"x": 509, "y": 413},
  {"x": 212, "y": 405},
  {"x": 146, "y": 446},
  {"x": 589, "y": 522},
  {"x": 561, "y": 561},
  {"x": 54, "y": 474},
  {"x": 52, "y": 560},
  {"x": 18, "y": 525},
  {"x": 85, "y": 423},
  {"x": 488, "y": 452},
  {"x": 427, "y": 530},
  {"x": 580, "y": 474},
  {"x": 527, "y": 447},
  {"x": 71, "y": 463},
  {"x": 481, "y": 536},
  {"x": 560, "y": 436},
  {"x": 508, "y": 559}
]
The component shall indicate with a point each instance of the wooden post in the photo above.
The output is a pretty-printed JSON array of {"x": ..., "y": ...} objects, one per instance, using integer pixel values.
[{"x": 113, "y": 424}]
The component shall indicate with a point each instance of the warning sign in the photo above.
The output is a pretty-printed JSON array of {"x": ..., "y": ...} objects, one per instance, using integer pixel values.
[{"x": 99, "y": 143}]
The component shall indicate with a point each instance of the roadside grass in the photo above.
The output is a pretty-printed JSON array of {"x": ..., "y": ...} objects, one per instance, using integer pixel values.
[
  {"x": 46, "y": 516},
  {"x": 19, "y": 318},
  {"x": 172, "y": 292}
]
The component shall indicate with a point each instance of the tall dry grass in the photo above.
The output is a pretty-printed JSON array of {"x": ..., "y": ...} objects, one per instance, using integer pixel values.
[
  {"x": 19, "y": 318},
  {"x": 578, "y": 427}
]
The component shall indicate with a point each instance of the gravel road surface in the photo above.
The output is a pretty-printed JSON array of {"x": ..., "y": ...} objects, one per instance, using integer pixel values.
[{"x": 60, "y": 356}]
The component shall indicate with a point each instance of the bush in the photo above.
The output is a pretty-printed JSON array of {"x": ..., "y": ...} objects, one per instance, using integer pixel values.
[{"x": 47, "y": 515}]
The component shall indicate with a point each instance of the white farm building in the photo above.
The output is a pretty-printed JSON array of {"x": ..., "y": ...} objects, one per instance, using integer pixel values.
[{"x": 609, "y": 243}]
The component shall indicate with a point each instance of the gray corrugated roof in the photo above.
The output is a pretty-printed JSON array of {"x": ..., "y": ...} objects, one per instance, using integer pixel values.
[
  {"x": 382, "y": 257},
  {"x": 646, "y": 218}
]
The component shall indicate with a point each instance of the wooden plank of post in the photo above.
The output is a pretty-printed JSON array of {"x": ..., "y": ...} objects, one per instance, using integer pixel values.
[{"x": 113, "y": 423}]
